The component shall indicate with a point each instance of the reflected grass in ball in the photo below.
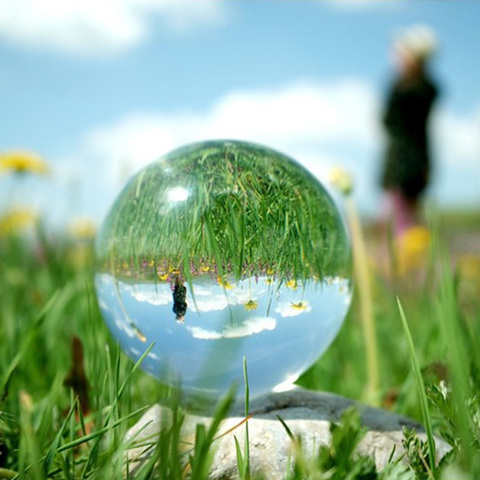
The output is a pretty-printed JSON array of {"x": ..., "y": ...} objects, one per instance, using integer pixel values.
[{"x": 219, "y": 251}]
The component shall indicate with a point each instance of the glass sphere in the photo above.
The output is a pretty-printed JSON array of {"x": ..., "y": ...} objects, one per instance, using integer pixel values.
[{"x": 221, "y": 251}]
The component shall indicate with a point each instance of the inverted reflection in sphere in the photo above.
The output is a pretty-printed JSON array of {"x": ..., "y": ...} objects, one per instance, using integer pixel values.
[{"x": 219, "y": 251}]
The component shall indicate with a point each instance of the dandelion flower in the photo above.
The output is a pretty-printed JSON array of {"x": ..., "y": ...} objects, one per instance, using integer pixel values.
[
  {"x": 293, "y": 309},
  {"x": 412, "y": 249},
  {"x": 341, "y": 179},
  {"x": 250, "y": 305},
  {"x": 224, "y": 283},
  {"x": 16, "y": 220},
  {"x": 292, "y": 284},
  {"x": 299, "y": 306},
  {"x": 163, "y": 276},
  {"x": 23, "y": 162}
]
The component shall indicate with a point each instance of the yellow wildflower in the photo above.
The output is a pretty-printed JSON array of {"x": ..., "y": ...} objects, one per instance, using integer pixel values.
[
  {"x": 269, "y": 281},
  {"x": 204, "y": 268},
  {"x": 151, "y": 263},
  {"x": 250, "y": 305},
  {"x": 412, "y": 248},
  {"x": 292, "y": 284},
  {"x": 23, "y": 162},
  {"x": 82, "y": 228},
  {"x": 341, "y": 179},
  {"x": 270, "y": 271},
  {"x": 163, "y": 276},
  {"x": 299, "y": 306},
  {"x": 17, "y": 220},
  {"x": 224, "y": 283}
]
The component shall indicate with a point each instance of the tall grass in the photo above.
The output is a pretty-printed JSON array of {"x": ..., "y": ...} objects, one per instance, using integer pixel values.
[
  {"x": 48, "y": 430},
  {"x": 230, "y": 208}
]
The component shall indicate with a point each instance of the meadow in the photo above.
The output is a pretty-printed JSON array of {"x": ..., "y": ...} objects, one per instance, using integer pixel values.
[{"x": 68, "y": 395}]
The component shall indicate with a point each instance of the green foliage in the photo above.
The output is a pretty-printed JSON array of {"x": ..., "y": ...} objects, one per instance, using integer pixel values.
[
  {"x": 247, "y": 210},
  {"x": 46, "y": 429},
  {"x": 339, "y": 457},
  {"x": 340, "y": 460}
]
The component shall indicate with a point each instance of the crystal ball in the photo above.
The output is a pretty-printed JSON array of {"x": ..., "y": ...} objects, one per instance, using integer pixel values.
[{"x": 221, "y": 253}]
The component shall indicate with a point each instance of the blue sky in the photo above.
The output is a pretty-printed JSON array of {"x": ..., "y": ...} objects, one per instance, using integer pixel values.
[{"x": 101, "y": 88}]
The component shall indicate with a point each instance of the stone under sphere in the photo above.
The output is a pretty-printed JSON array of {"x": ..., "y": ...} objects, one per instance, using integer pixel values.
[{"x": 221, "y": 251}]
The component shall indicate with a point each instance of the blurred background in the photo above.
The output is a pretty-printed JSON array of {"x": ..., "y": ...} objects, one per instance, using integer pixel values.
[{"x": 98, "y": 89}]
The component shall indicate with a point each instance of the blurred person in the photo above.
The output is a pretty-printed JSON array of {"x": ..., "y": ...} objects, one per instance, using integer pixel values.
[{"x": 406, "y": 167}]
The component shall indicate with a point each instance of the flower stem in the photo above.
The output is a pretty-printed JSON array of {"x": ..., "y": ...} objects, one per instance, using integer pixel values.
[{"x": 362, "y": 279}]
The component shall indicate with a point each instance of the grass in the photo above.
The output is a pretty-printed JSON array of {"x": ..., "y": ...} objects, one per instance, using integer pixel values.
[
  {"x": 230, "y": 208},
  {"x": 68, "y": 395}
]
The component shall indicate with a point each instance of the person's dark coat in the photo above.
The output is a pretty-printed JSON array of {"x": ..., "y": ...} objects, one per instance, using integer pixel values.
[
  {"x": 407, "y": 158},
  {"x": 180, "y": 300}
]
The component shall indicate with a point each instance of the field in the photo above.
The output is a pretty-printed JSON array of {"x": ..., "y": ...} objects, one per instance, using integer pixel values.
[{"x": 67, "y": 394}]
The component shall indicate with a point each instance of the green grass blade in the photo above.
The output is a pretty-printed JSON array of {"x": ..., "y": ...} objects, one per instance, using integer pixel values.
[
  {"x": 420, "y": 389},
  {"x": 240, "y": 462},
  {"x": 246, "y": 469},
  {"x": 47, "y": 463},
  {"x": 102, "y": 431},
  {"x": 132, "y": 371}
]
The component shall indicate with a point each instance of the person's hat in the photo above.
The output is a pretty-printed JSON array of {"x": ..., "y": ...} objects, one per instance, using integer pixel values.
[{"x": 419, "y": 41}]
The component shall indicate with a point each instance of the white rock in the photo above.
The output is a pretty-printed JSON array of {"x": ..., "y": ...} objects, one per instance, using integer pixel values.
[{"x": 308, "y": 414}]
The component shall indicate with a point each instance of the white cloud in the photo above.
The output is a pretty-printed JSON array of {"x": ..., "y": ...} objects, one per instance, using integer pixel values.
[
  {"x": 216, "y": 299},
  {"x": 321, "y": 124},
  {"x": 302, "y": 119},
  {"x": 458, "y": 137},
  {"x": 96, "y": 27},
  {"x": 251, "y": 326},
  {"x": 207, "y": 299},
  {"x": 158, "y": 295}
]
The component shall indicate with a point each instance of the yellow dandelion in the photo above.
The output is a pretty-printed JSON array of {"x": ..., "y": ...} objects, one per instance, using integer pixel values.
[
  {"x": 270, "y": 271},
  {"x": 17, "y": 220},
  {"x": 341, "y": 179},
  {"x": 412, "y": 248},
  {"x": 82, "y": 228},
  {"x": 224, "y": 283},
  {"x": 23, "y": 162},
  {"x": 292, "y": 284},
  {"x": 300, "y": 306},
  {"x": 250, "y": 305}
]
